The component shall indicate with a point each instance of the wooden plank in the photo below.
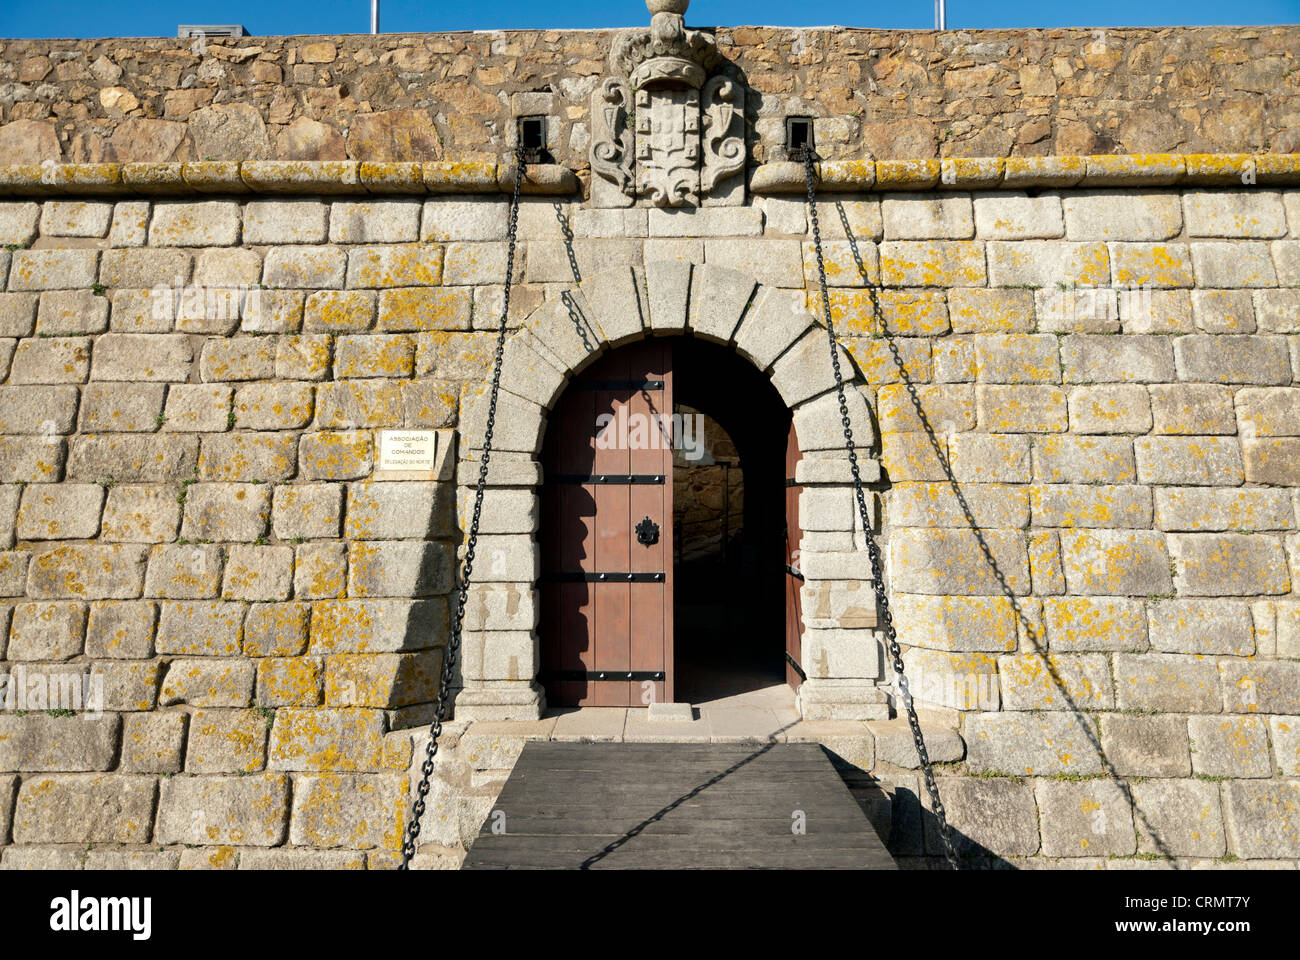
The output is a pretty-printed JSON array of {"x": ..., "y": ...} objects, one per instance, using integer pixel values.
[{"x": 675, "y": 806}]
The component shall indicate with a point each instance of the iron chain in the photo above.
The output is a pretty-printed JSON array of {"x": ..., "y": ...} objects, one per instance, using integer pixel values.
[
  {"x": 447, "y": 674},
  {"x": 873, "y": 550}
]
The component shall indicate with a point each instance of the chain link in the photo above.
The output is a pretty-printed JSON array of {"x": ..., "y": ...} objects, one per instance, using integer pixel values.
[
  {"x": 873, "y": 551},
  {"x": 462, "y": 598}
]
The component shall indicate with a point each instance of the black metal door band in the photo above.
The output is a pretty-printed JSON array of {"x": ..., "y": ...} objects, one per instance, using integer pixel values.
[{"x": 586, "y": 576}]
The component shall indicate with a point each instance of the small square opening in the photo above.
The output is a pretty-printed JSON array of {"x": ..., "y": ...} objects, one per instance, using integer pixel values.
[
  {"x": 798, "y": 135},
  {"x": 532, "y": 137}
]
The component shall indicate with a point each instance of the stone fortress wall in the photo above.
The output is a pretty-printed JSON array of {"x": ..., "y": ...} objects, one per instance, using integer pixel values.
[{"x": 195, "y": 361}]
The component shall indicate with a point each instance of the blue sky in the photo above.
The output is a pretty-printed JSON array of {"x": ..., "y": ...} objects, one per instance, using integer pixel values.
[{"x": 97, "y": 18}]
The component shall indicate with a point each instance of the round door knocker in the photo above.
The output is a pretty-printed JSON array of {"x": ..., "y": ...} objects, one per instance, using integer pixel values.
[{"x": 647, "y": 532}]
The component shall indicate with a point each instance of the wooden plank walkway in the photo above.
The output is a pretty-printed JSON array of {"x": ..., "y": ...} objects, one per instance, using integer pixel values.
[{"x": 675, "y": 806}]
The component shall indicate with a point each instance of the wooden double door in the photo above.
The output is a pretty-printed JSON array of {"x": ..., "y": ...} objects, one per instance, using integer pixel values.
[{"x": 607, "y": 527}]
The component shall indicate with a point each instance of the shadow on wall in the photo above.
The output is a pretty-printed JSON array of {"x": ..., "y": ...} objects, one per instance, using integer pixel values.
[
  {"x": 966, "y": 848},
  {"x": 402, "y": 539}
]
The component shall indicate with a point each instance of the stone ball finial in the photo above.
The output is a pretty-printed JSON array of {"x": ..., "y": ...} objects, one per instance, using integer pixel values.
[{"x": 668, "y": 6}]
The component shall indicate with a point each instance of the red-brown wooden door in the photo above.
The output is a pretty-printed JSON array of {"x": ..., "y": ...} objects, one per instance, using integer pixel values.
[
  {"x": 607, "y": 630},
  {"x": 793, "y": 571}
]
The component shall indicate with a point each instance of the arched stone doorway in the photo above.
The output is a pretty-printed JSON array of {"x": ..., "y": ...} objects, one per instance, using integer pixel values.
[
  {"x": 770, "y": 330},
  {"x": 664, "y": 552}
]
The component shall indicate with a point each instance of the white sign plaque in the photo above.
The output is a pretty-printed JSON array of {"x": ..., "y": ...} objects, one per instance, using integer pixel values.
[{"x": 407, "y": 449}]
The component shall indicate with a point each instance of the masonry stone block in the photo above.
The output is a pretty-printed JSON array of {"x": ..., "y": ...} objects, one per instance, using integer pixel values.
[
  {"x": 1156, "y": 265},
  {"x": 226, "y": 511},
  {"x": 141, "y": 514},
  {"x": 989, "y": 457},
  {"x": 1230, "y": 746},
  {"x": 399, "y": 568},
  {"x": 1229, "y": 264},
  {"x": 153, "y": 742},
  {"x": 1196, "y": 461},
  {"x": 1260, "y": 818},
  {"x": 1028, "y": 744},
  {"x": 338, "y": 740},
  {"x": 1285, "y": 734},
  {"x": 118, "y": 407},
  {"x": 66, "y": 511},
  {"x": 255, "y": 457},
  {"x": 1115, "y": 562},
  {"x": 1234, "y": 213},
  {"x": 1261, "y": 686},
  {"x": 1090, "y": 505},
  {"x": 86, "y": 572},
  {"x": 58, "y": 269},
  {"x": 1273, "y": 460},
  {"x": 1228, "y": 564},
  {"x": 32, "y": 459},
  {"x": 142, "y": 269},
  {"x": 1034, "y": 681},
  {"x": 84, "y": 809},
  {"x": 1070, "y": 459},
  {"x": 944, "y": 409},
  {"x": 208, "y": 682},
  {"x": 258, "y": 573},
  {"x": 18, "y": 222},
  {"x": 374, "y": 355},
  {"x": 1166, "y": 683},
  {"x": 184, "y": 571},
  {"x": 1217, "y": 509},
  {"x": 289, "y": 682},
  {"x": 1092, "y": 358},
  {"x": 1017, "y": 358},
  {"x": 980, "y": 310},
  {"x": 18, "y": 314},
  {"x": 1224, "y": 311},
  {"x": 40, "y": 742},
  {"x": 1018, "y": 216},
  {"x": 200, "y": 628},
  {"x": 359, "y": 404},
  {"x": 932, "y": 263},
  {"x": 342, "y": 311},
  {"x": 356, "y": 812},
  {"x": 238, "y": 358},
  {"x": 320, "y": 571},
  {"x": 245, "y": 811},
  {"x": 1233, "y": 359},
  {"x": 197, "y": 408},
  {"x": 1122, "y": 215},
  {"x": 953, "y": 562},
  {"x": 1045, "y": 264},
  {"x": 307, "y": 511},
  {"x": 377, "y": 625},
  {"x": 1146, "y": 746},
  {"x": 69, "y": 313},
  {"x": 226, "y": 741},
  {"x": 1201, "y": 627},
  {"x": 186, "y": 223},
  {"x": 273, "y": 406},
  {"x": 305, "y": 268},
  {"x": 1092, "y": 818},
  {"x": 276, "y": 629},
  {"x": 1276, "y": 311},
  {"x": 1021, "y": 408},
  {"x": 47, "y": 631},
  {"x": 914, "y": 504},
  {"x": 56, "y": 360},
  {"x": 1192, "y": 408},
  {"x": 992, "y": 816},
  {"x": 120, "y": 630}
]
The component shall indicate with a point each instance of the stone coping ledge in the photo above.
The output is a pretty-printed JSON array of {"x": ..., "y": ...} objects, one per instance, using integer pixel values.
[
  {"x": 1015, "y": 173},
  {"x": 381, "y": 178},
  {"x": 342, "y": 177}
]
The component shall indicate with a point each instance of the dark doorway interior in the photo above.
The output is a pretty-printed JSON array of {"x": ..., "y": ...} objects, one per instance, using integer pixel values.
[{"x": 729, "y": 517}]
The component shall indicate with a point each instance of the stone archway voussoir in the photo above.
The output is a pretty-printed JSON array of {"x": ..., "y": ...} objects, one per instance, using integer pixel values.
[
  {"x": 568, "y": 335},
  {"x": 530, "y": 372},
  {"x": 771, "y": 325},
  {"x": 615, "y": 301},
  {"x": 718, "y": 300},
  {"x": 804, "y": 370}
]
